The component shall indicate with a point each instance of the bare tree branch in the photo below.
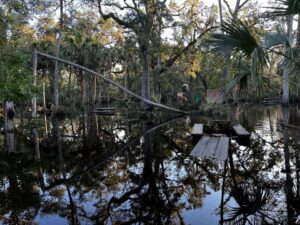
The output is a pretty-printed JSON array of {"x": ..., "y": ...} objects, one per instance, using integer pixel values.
[
  {"x": 172, "y": 59},
  {"x": 114, "y": 17},
  {"x": 228, "y": 6}
]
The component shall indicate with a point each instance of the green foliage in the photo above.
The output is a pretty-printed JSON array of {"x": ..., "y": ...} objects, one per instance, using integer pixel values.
[
  {"x": 214, "y": 109},
  {"x": 244, "y": 82},
  {"x": 277, "y": 38},
  {"x": 237, "y": 36},
  {"x": 15, "y": 79}
]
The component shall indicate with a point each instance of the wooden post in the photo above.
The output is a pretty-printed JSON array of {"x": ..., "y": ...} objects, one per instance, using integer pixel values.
[
  {"x": 34, "y": 66},
  {"x": 9, "y": 126}
]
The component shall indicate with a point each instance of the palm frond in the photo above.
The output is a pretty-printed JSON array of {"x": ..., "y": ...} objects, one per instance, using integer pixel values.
[
  {"x": 284, "y": 8},
  {"x": 275, "y": 39},
  {"x": 236, "y": 36},
  {"x": 246, "y": 79}
]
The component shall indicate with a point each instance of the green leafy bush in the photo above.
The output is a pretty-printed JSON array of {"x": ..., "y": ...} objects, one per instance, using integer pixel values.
[{"x": 15, "y": 75}]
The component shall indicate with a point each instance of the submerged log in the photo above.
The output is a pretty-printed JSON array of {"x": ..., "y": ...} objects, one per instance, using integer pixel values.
[{"x": 9, "y": 127}]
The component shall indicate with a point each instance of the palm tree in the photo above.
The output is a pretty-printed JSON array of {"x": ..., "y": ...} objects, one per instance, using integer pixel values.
[
  {"x": 287, "y": 8},
  {"x": 238, "y": 39}
]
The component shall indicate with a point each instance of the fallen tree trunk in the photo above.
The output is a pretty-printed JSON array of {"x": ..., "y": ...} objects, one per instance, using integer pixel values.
[
  {"x": 290, "y": 126},
  {"x": 111, "y": 82}
]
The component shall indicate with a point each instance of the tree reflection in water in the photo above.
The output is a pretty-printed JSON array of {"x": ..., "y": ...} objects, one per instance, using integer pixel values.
[{"x": 146, "y": 176}]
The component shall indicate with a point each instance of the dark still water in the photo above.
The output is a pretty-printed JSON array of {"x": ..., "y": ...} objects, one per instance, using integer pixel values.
[{"x": 123, "y": 170}]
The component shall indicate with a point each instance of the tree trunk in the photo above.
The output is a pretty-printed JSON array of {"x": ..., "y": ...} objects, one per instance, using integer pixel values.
[
  {"x": 144, "y": 51},
  {"x": 106, "y": 97},
  {"x": 44, "y": 89},
  {"x": 285, "y": 77},
  {"x": 226, "y": 70},
  {"x": 298, "y": 51},
  {"x": 57, "y": 53},
  {"x": 82, "y": 86},
  {"x": 33, "y": 100},
  {"x": 9, "y": 126},
  {"x": 125, "y": 94}
]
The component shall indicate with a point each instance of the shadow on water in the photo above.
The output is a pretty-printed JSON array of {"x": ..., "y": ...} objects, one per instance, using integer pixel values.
[{"x": 90, "y": 169}]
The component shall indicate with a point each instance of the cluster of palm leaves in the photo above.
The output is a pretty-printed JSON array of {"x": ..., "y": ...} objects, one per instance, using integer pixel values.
[
  {"x": 285, "y": 8},
  {"x": 251, "y": 201},
  {"x": 249, "y": 52}
]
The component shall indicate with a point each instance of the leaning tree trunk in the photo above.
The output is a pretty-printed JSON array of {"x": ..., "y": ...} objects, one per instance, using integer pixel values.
[
  {"x": 9, "y": 126},
  {"x": 285, "y": 77}
]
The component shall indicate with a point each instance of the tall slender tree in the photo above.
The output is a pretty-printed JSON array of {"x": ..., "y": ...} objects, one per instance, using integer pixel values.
[{"x": 57, "y": 54}]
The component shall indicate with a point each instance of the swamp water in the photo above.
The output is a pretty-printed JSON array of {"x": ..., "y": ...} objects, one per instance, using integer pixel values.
[{"x": 91, "y": 169}]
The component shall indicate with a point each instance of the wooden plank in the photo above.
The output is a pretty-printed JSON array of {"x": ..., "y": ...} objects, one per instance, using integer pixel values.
[
  {"x": 211, "y": 147},
  {"x": 240, "y": 130},
  {"x": 200, "y": 147},
  {"x": 197, "y": 130},
  {"x": 222, "y": 149},
  {"x": 215, "y": 148}
]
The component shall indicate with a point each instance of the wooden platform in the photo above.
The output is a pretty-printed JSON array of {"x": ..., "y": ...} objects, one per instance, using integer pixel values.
[
  {"x": 240, "y": 130},
  {"x": 197, "y": 130},
  {"x": 215, "y": 148}
]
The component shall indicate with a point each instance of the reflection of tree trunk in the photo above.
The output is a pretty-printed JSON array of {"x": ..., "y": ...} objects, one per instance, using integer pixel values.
[
  {"x": 57, "y": 138},
  {"x": 9, "y": 126},
  {"x": 222, "y": 195},
  {"x": 36, "y": 142},
  {"x": 289, "y": 181},
  {"x": 232, "y": 169},
  {"x": 148, "y": 155},
  {"x": 74, "y": 219},
  {"x": 271, "y": 126},
  {"x": 285, "y": 115},
  {"x": 297, "y": 173}
]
